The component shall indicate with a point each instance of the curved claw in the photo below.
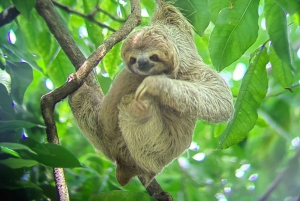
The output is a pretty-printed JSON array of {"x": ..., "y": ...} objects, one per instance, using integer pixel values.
[
  {"x": 140, "y": 104},
  {"x": 139, "y": 108},
  {"x": 142, "y": 89}
]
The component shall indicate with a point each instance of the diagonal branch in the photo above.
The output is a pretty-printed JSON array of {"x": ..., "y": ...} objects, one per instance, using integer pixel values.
[
  {"x": 157, "y": 192},
  {"x": 280, "y": 176}
]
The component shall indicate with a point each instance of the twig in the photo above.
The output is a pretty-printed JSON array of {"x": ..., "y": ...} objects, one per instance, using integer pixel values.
[
  {"x": 8, "y": 15},
  {"x": 89, "y": 16},
  {"x": 281, "y": 175},
  {"x": 283, "y": 91}
]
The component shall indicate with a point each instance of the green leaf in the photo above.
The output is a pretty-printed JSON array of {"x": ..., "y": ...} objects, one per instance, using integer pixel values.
[
  {"x": 58, "y": 157},
  {"x": 35, "y": 145},
  {"x": 236, "y": 29},
  {"x": 21, "y": 76},
  {"x": 94, "y": 31},
  {"x": 18, "y": 185},
  {"x": 197, "y": 12},
  {"x": 215, "y": 7},
  {"x": 14, "y": 51},
  {"x": 277, "y": 29},
  {"x": 15, "y": 146},
  {"x": 112, "y": 60},
  {"x": 121, "y": 195},
  {"x": 282, "y": 71},
  {"x": 52, "y": 155},
  {"x": 252, "y": 92},
  {"x": 47, "y": 46},
  {"x": 14, "y": 125},
  {"x": 60, "y": 69},
  {"x": 5, "y": 104},
  {"x": 24, "y": 6},
  {"x": 9, "y": 151},
  {"x": 290, "y": 6},
  {"x": 16, "y": 163},
  {"x": 2, "y": 60},
  {"x": 5, "y": 79}
]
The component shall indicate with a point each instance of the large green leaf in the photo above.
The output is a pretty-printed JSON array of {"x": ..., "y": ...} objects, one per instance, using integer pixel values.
[
  {"x": 215, "y": 7},
  {"x": 112, "y": 59},
  {"x": 292, "y": 7},
  {"x": 24, "y": 7},
  {"x": 18, "y": 185},
  {"x": 197, "y": 12},
  {"x": 16, "y": 54},
  {"x": 15, "y": 146},
  {"x": 94, "y": 30},
  {"x": 47, "y": 46},
  {"x": 51, "y": 154},
  {"x": 15, "y": 124},
  {"x": 236, "y": 29},
  {"x": 282, "y": 71},
  {"x": 277, "y": 29},
  {"x": 5, "y": 104},
  {"x": 21, "y": 76},
  {"x": 252, "y": 92},
  {"x": 60, "y": 69},
  {"x": 9, "y": 151},
  {"x": 5, "y": 79},
  {"x": 121, "y": 195},
  {"x": 16, "y": 163}
]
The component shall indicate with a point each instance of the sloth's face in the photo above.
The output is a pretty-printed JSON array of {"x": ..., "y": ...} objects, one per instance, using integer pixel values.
[{"x": 147, "y": 52}]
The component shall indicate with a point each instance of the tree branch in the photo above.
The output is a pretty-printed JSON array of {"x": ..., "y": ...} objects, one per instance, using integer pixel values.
[
  {"x": 91, "y": 15},
  {"x": 8, "y": 15},
  {"x": 157, "y": 192},
  {"x": 281, "y": 175}
]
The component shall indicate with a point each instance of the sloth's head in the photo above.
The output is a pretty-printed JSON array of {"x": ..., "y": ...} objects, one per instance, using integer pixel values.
[{"x": 148, "y": 52}]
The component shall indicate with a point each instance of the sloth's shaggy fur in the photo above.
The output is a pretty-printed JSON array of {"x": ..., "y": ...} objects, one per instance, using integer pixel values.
[{"x": 147, "y": 118}]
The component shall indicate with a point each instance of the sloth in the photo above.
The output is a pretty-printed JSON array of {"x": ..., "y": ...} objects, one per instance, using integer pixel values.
[{"x": 147, "y": 118}]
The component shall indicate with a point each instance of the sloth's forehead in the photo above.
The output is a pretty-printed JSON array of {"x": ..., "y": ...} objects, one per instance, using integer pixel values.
[{"x": 146, "y": 39}]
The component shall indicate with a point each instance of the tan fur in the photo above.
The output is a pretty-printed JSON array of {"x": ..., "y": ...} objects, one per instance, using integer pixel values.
[{"x": 147, "y": 118}]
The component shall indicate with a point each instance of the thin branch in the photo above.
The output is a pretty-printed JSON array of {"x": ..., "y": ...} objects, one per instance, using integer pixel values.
[
  {"x": 110, "y": 15},
  {"x": 8, "y": 15},
  {"x": 90, "y": 16},
  {"x": 283, "y": 91},
  {"x": 279, "y": 178}
]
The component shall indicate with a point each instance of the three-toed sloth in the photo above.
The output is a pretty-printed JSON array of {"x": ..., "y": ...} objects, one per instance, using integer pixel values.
[{"x": 147, "y": 118}]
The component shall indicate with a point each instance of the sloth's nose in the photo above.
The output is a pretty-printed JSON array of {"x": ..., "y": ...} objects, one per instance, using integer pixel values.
[
  {"x": 142, "y": 61},
  {"x": 143, "y": 64}
]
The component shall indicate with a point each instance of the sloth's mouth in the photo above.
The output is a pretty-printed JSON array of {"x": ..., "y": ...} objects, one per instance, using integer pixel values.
[{"x": 145, "y": 67}]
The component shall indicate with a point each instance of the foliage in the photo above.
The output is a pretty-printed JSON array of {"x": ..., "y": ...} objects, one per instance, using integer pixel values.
[{"x": 262, "y": 136}]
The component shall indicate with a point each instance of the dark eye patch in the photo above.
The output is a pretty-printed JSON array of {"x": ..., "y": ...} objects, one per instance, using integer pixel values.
[
  {"x": 132, "y": 60},
  {"x": 154, "y": 57}
]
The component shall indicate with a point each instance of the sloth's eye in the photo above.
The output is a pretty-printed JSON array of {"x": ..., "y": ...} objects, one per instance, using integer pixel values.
[
  {"x": 132, "y": 60},
  {"x": 154, "y": 57}
]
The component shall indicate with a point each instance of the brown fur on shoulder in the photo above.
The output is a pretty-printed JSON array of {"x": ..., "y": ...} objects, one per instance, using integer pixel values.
[{"x": 147, "y": 118}]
